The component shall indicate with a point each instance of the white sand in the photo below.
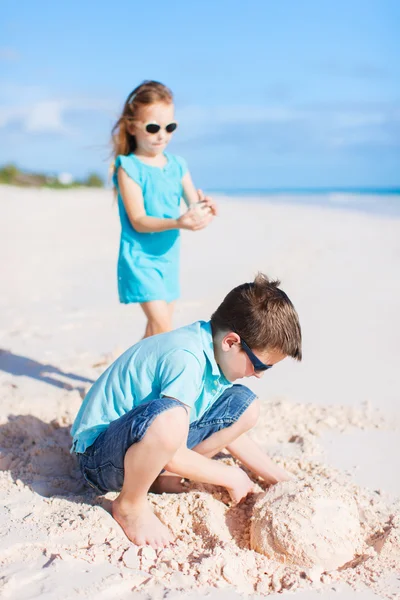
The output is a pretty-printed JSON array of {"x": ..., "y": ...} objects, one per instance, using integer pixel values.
[{"x": 333, "y": 418}]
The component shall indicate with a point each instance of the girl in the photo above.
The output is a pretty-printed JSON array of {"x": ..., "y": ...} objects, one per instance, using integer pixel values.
[{"x": 150, "y": 184}]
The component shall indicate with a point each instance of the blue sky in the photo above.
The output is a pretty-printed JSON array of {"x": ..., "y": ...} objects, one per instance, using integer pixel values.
[{"x": 268, "y": 94}]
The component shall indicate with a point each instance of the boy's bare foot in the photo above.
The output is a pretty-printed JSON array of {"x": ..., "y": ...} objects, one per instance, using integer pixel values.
[
  {"x": 140, "y": 524},
  {"x": 169, "y": 484}
]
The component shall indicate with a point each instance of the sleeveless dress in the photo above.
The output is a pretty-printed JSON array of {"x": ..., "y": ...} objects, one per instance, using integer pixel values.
[{"x": 148, "y": 263}]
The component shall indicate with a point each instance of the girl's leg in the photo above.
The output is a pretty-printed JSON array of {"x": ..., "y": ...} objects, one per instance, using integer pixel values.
[
  {"x": 143, "y": 462},
  {"x": 171, "y": 308},
  {"x": 159, "y": 317},
  {"x": 147, "y": 331}
]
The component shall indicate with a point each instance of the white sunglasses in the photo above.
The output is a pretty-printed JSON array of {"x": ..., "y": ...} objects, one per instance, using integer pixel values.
[{"x": 153, "y": 127}]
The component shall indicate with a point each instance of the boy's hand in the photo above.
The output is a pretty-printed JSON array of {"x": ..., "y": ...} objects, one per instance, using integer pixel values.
[{"x": 241, "y": 485}]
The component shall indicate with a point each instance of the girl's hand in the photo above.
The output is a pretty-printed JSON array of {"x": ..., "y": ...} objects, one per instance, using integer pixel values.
[
  {"x": 208, "y": 201},
  {"x": 194, "y": 219}
]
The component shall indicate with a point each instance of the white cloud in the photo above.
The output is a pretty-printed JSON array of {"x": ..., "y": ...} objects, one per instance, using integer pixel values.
[
  {"x": 39, "y": 117},
  {"x": 35, "y": 111},
  {"x": 359, "y": 119},
  {"x": 46, "y": 117},
  {"x": 237, "y": 114},
  {"x": 326, "y": 125},
  {"x": 340, "y": 116},
  {"x": 199, "y": 121}
]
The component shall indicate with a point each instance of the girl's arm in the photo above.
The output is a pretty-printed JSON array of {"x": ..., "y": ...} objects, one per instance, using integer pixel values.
[
  {"x": 132, "y": 198},
  {"x": 192, "y": 196}
]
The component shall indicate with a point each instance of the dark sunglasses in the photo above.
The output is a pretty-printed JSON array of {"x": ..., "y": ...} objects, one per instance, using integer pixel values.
[
  {"x": 155, "y": 127},
  {"x": 255, "y": 361}
]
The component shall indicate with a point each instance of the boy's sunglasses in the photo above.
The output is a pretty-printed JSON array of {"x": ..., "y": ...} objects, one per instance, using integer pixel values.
[
  {"x": 155, "y": 127},
  {"x": 255, "y": 361}
]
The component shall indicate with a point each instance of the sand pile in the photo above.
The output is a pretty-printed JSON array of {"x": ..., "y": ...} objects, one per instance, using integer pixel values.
[{"x": 314, "y": 525}]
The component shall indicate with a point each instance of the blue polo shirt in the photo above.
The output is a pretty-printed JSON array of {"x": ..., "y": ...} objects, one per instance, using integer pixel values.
[{"x": 179, "y": 364}]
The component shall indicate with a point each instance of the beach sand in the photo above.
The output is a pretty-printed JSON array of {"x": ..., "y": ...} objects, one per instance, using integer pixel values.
[{"x": 334, "y": 417}]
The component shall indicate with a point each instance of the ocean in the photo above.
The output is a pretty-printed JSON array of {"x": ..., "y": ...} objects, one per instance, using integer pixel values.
[{"x": 379, "y": 201}]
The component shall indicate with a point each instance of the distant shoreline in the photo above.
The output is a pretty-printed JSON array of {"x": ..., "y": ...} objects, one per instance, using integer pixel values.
[
  {"x": 374, "y": 201},
  {"x": 53, "y": 186},
  {"x": 10, "y": 174},
  {"x": 305, "y": 191}
]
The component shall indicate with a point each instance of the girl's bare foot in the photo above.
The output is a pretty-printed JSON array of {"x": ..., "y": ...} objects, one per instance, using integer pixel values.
[
  {"x": 169, "y": 484},
  {"x": 140, "y": 524}
]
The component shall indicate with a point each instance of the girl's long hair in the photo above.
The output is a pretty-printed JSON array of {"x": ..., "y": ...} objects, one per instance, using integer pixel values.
[{"x": 148, "y": 92}]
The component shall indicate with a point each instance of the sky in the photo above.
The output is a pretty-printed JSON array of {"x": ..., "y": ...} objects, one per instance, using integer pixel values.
[{"x": 268, "y": 94}]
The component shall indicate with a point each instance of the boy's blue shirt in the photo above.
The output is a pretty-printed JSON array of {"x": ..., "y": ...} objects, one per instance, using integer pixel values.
[{"x": 180, "y": 364}]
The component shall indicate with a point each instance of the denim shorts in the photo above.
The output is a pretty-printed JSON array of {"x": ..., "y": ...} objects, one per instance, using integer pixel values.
[{"x": 102, "y": 464}]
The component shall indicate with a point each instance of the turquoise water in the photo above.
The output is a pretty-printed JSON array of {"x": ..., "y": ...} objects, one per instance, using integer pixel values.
[{"x": 381, "y": 201}]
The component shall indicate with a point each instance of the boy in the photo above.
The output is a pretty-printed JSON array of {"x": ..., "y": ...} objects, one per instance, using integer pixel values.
[{"x": 165, "y": 407}]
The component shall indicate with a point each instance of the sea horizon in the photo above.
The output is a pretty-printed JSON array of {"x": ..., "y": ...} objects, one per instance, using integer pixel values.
[{"x": 384, "y": 201}]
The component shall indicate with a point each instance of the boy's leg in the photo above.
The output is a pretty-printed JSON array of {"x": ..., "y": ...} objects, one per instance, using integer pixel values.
[
  {"x": 234, "y": 413},
  {"x": 128, "y": 456},
  {"x": 143, "y": 462},
  {"x": 159, "y": 317},
  {"x": 222, "y": 438},
  {"x": 224, "y": 426}
]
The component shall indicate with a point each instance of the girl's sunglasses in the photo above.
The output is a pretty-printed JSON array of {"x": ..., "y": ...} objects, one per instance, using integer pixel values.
[
  {"x": 255, "y": 361},
  {"x": 155, "y": 127}
]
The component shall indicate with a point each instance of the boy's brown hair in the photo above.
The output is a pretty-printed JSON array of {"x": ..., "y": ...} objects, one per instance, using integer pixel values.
[{"x": 263, "y": 314}]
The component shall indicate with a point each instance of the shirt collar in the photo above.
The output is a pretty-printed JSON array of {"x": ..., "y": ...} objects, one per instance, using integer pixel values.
[{"x": 208, "y": 346}]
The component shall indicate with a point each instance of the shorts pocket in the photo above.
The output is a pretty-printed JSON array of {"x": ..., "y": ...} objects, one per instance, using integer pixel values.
[{"x": 106, "y": 478}]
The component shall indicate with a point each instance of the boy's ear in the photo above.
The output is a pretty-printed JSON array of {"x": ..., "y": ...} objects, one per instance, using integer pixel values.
[{"x": 230, "y": 339}]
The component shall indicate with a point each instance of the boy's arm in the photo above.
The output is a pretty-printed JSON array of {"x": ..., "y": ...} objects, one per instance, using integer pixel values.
[
  {"x": 194, "y": 466},
  {"x": 180, "y": 374},
  {"x": 255, "y": 459}
]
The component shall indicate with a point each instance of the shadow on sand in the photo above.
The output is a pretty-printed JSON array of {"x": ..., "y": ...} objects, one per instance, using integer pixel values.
[
  {"x": 38, "y": 454},
  {"x": 23, "y": 366}
]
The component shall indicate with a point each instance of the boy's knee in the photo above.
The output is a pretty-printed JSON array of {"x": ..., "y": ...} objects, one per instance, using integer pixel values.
[
  {"x": 251, "y": 415},
  {"x": 170, "y": 428}
]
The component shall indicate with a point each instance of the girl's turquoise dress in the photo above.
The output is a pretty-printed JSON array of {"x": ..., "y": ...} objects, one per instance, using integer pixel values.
[{"x": 148, "y": 263}]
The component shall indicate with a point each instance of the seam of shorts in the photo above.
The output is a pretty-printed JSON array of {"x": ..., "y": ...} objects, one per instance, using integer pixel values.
[
  {"x": 91, "y": 484},
  {"x": 202, "y": 424},
  {"x": 149, "y": 420},
  {"x": 228, "y": 420},
  {"x": 102, "y": 466},
  {"x": 86, "y": 470}
]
